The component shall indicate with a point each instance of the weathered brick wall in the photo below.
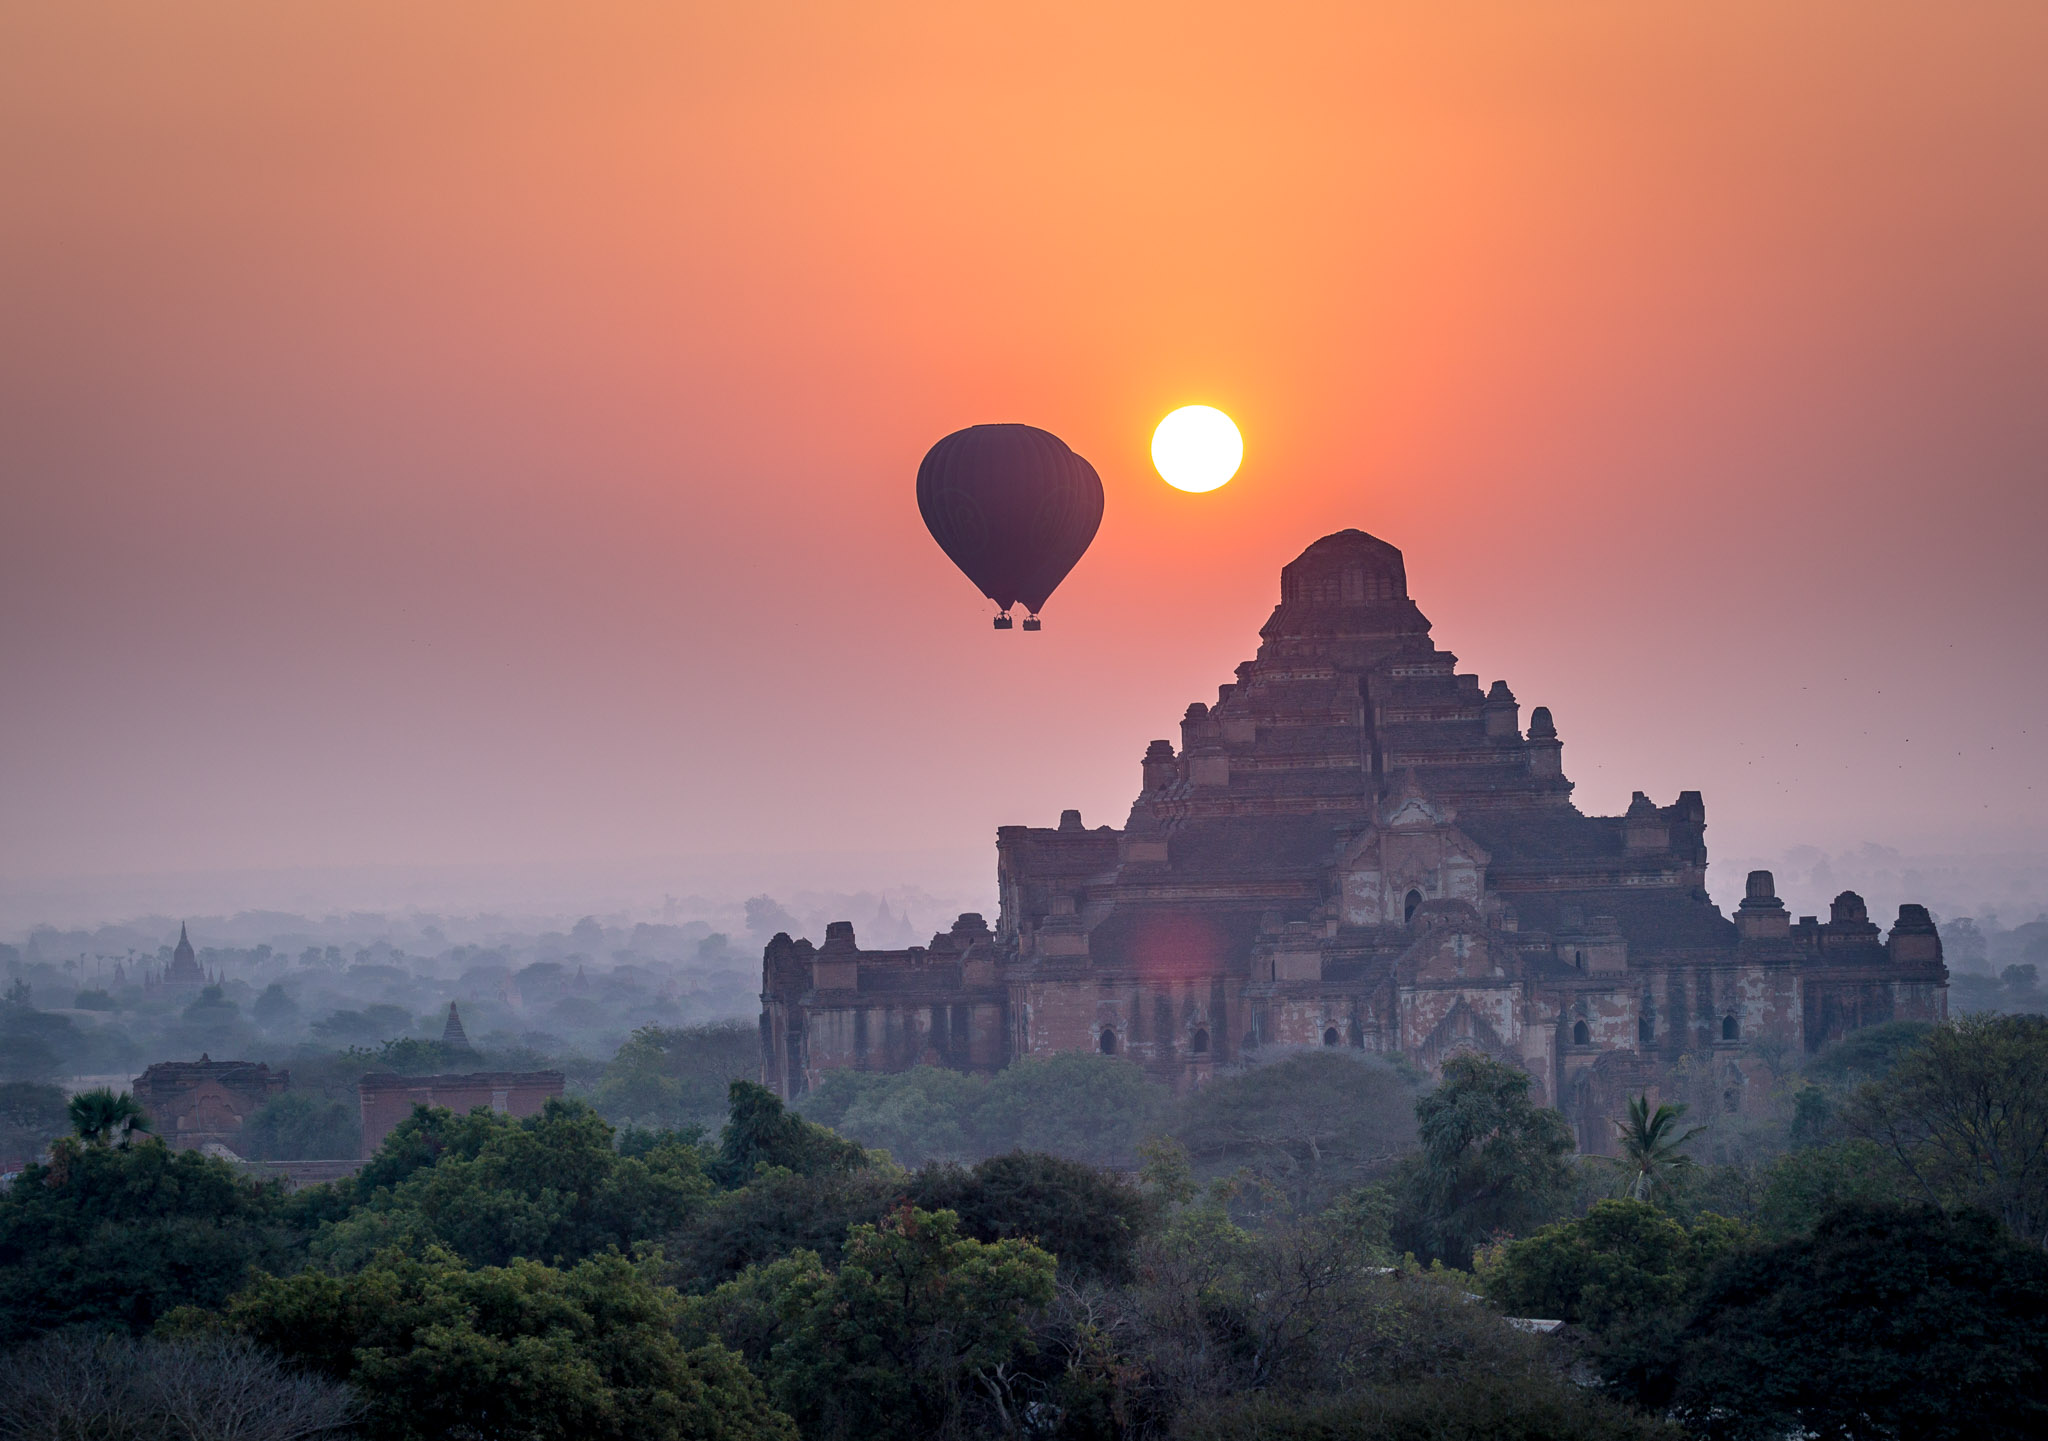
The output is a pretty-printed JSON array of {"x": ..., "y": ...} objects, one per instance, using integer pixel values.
[
  {"x": 387, "y": 1099},
  {"x": 867, "y": 1034},
  {"x": 192, "y": 1103},
  {"x": 1168, "y": 1023}
]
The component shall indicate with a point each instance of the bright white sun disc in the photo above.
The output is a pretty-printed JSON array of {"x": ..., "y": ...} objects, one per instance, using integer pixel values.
[{"x": 1197, "y": 448}]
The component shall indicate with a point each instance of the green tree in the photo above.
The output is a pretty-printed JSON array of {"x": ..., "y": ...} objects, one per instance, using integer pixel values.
[
  {"x": 34, "y": 1045},
  {"x": 491, "y": 1188},
  {"x": 1887, "y": 1322},
  {"x": 1965, "y": 1115},
  {"x": 1491, "y": 1164},
  {"x": 298, "y": 1126},
  {"x": 417, "y": 1056},
  {"x": 1478, "y": 1408},
  {"x": 779, "y": 1212},
  {"x": 1314, "y": 1124},
  {"x": 1089, "y": 1219},
  {"x": 275, "y": 1009},
  {"x": 523, "y": 1352},
  {"x": 761, "y": 1131},
  {"x": 1081, "y": 1105},
  {"x": 668, "y": 1076},
  {"x": 1087, "y": 1107},
  {"x": 119, "y": 1235},
  {"x": 1301, "y": 1309},
  {"x": 1802, "y": 1186},
  {"x": 1652, "y": 1153},
  {"x": 212, "y": 1010},
  {"x": 1626, "y": 1275},
  {"x": 31, "y": 1116},
  {"x": 918, "y": 1335},
  {"x": 1867, "y": 1053},
  {"x": 99, "y": 1117},
  {"x": 928, "y": 1113}
]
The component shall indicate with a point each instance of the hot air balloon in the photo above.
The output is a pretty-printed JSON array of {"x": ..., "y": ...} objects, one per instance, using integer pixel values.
[{"x": 1013, "y": 508}]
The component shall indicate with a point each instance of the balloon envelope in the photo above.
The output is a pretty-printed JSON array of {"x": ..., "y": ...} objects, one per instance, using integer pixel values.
[{"x": 1011, "y": 506}]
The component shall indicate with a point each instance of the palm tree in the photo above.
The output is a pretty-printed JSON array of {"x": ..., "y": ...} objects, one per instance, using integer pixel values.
[
  {"x": 101, "y": 1116},
  {"x": 1650, "y": 1154}
]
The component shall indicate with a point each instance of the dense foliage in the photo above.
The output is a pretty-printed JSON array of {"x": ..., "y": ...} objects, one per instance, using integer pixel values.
[
  {"x": 489, "y": 1189},
  {"x": 1887, "y": 1321},
  {"x": 299, "y": 1126},
  {"x": 1282, "y": 1254},
  {"x": 31, "y": 1116},
  {"x": 672, "y": 1076},
  {"x": 1314, "y": 1124},
  {"x": 915, "y": 1335},
  {"x": 1625, "y": 1275},
  {"x": 1965, "y": 1114},
  {"x": 441, "y": 1349},
  {"x": 1091, "y": 1220},
  {"x": 1092, "y": 1108},
  {"x": 119, "y": 1235},
  {"x": 1491, "y": 1163}
]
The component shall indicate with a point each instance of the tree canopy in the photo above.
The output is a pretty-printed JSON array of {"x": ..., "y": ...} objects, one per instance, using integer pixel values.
[
  {"x": 1887, "y": 1322},
  {"x": 1965, "y": 1114},
  {"x": 1491, "y": 1164},
  {"x": 489, "y": 1188},
  {"x": 525, "y": 1352},
  {"x": 1626, "y": 1275},
  {"x": 119, "y": 1235}
]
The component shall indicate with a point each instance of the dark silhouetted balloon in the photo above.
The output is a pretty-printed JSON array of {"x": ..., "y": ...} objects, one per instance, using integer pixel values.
[{"x": 1012, "y": 507}]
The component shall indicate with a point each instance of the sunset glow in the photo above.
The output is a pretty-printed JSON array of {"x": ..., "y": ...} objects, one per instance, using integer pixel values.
[
  {"x": 1197, "y": 448},
  {"x": 520, "y": 465}
]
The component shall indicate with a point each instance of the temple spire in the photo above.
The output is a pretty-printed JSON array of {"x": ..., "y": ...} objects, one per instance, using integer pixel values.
[
  {"x": 452, "y": 1035},
  {"x": 184, "y": 968}
]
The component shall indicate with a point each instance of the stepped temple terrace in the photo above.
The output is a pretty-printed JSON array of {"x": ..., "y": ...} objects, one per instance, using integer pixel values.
[{"x": 1358, "y": 846}]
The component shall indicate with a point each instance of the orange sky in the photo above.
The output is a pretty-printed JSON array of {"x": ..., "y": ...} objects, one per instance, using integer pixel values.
[{"x": 486, "y": 432}]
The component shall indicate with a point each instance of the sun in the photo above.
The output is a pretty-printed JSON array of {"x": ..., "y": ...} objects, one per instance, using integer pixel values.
[{"x": 1197, "y": 448}]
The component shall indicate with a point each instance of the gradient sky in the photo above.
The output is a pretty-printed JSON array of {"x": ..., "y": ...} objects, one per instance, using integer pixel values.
[{"x": 485, "y": 433}]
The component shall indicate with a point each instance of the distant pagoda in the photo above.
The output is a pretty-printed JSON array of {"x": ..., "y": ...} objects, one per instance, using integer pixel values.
[
  {"x": 453, "y": 1038},
  {"x": 184, "y": 969}
]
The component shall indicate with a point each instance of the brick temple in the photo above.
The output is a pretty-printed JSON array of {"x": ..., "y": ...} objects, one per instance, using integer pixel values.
[
  {"x": 196, "y": 1103},
  {"x": 1358, "y": 846},
  {"x": 387, "y": 1098}
]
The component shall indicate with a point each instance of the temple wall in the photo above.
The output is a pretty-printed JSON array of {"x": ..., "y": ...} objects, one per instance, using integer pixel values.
[
  {"x": 1610, "y": 1018},
  {"x": 1309, "y": 1020},
  {"x": 876, "y": 1035},
  {"x": 1166, "y": 1024},
  {"x": 1425, "y": 1010},
  {"x": 388, "y": 1099},
  {"x": 195, "y": 1102},
  {"x": 1833, "y": 1008},
  {"x": 1919, "y": 1001}
]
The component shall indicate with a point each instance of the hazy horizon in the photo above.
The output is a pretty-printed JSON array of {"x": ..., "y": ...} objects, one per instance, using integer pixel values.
[{"x": 512, "y": 477}]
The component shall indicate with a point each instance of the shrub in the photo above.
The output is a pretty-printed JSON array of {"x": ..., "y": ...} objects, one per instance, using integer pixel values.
[{"x": 81, "y": 1384}]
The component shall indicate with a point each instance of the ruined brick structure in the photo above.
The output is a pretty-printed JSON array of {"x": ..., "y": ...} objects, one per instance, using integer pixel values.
[
  {"x": 1357, "y": 846},
  {"x": 194, "y": 1103},
  {"x": 388, "y": 1099}
]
